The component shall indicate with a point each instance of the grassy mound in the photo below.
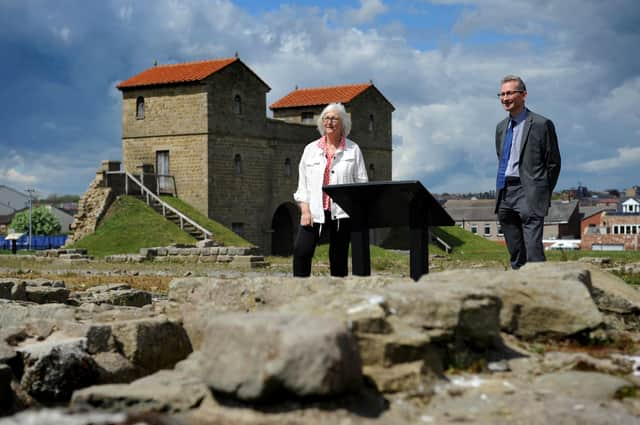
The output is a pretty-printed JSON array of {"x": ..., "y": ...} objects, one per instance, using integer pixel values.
[
  {"x": 220, "y": 233},
  {"x": 467, "y": 246},
  {"x": 129, "y": 225}
]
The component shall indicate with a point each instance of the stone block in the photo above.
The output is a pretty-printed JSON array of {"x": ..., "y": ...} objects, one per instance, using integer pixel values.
[
  {"x": 208, "y": 259},
  {"x": 152, "y": 344},
  {"x": 46, "y": 294},
  {"x": 271, "y": 355}
]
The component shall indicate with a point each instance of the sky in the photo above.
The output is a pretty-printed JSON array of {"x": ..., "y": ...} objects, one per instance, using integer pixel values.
[{"x": 438, "y": 62}]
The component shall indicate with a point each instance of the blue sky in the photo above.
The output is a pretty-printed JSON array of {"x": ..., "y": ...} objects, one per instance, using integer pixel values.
[{"x": 439, "y": 62}]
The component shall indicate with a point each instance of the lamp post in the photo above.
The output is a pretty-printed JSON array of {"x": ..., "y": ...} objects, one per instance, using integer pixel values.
[{"x": 30, "y": 192}]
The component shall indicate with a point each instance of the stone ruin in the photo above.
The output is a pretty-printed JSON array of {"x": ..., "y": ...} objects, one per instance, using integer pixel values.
[
  {"x": 92, "y": 206},
  {"x": 462, "y": 346}
]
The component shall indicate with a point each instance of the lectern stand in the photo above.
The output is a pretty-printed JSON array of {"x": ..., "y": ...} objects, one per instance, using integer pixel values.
[{"x": 387, "y": 204}]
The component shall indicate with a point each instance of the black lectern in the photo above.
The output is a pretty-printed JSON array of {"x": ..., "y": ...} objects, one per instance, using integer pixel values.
[{"x": 387, "y": 204}]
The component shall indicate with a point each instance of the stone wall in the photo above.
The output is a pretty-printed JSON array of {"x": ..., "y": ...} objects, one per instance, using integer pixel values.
[
  {"x": 187, "y": 162},
  {"x": 174, "y": 110},
  {"x": 91, "y": 207}
]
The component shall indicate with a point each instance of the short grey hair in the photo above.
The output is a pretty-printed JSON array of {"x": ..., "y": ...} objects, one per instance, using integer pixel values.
[
  {"x": 521, "y": 85},
  {"x": 345, "y": 119}
]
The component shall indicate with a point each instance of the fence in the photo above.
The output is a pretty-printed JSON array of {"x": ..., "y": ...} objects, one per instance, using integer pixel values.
[{"x": 37, "y": 242}]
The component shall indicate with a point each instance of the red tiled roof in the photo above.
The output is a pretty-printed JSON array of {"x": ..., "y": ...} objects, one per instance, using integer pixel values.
[
  {"x": 320, "y": 96},
  {"x": 176, "y": 73}
]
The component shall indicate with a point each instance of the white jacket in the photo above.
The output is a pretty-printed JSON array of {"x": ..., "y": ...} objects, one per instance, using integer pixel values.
[{"x": 347, "y": 167}]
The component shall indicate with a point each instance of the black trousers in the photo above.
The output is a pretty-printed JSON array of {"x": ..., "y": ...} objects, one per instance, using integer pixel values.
[
  {"x": 521, "y": 227},
  {"x": 308, "y": 237}
]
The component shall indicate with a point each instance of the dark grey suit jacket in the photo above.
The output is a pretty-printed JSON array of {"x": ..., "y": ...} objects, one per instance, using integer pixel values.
[{"x": 539, "y": 165}]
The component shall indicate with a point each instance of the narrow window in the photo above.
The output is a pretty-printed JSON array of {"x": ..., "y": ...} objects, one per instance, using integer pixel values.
[
  {"x": 372, "y": 172},
  {"x": 287, "y": 167},
  {"x": 140, "y": 108},
  {"x": 237, "y": 105},
  {"x": 306, "y": 117},
  {"x": 237, "y": 164},
  {"x": 371, "y": 123},
  {"x": 487, "y": 230},
  {"x": 474, "y": 229},
  {"x": 238, "y": 228}
]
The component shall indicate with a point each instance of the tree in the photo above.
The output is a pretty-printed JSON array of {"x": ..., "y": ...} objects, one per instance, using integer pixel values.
[
  {"x": 43, "y": 222},
  {"x": 54, "y": 199}
]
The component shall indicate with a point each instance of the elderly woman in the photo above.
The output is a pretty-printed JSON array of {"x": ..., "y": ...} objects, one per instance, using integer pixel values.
[{"x": 332, "y": 159}]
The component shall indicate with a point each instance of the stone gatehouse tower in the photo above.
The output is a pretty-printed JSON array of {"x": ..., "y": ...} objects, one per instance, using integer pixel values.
[{"x": 205, "y": 124}]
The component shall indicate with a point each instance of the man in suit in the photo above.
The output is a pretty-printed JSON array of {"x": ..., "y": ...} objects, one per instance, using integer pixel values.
[{"x": 529, "y": 166}]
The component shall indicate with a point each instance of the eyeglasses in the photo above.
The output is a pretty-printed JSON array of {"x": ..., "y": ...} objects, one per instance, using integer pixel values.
[
  {"x": 333, "y": 119},
  {"x": 509, "y": 93}
]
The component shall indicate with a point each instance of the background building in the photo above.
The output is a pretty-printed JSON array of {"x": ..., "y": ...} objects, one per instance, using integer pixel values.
[
  {"x": 478, "y": 217},
  {"x": 205, "y": 125},
  {"x": 613, "y": 230}
]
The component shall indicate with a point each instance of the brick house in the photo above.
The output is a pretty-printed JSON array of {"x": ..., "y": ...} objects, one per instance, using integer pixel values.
[
  {"x": 592, "y": 218},
  {"x": 205, "y": 124},
  {"x": 613, "y": 230}
]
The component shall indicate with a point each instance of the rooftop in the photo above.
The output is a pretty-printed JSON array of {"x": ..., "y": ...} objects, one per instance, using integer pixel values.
[
  {"x": 176, "y": 73},
  {"x": 471, "y": 209},
  {"x": 320, "y": 96},
  {"x": 561, "y": 211}
]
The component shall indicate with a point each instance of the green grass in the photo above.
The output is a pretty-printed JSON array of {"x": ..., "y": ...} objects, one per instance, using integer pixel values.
[
  {"x": 220, "y": 232},
  {"x": 129, "y": 225},
  {"x": 18, "y": 252},
  {"x": 621, "y": 257},
  {"x": 632, "y": 278},
  {"x": 467, "y": 246},
  {"x": 381, "y": 259}
]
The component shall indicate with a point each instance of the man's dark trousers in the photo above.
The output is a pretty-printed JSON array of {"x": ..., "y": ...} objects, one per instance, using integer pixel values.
[{"x": 521, "y": 227}]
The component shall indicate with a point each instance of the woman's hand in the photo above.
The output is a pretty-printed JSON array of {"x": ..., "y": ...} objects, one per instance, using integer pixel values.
[{"x": 305, "y": 217}]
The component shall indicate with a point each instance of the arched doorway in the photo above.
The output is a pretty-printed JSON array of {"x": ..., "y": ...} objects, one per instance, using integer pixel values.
[{"x": 284, "y": 229}]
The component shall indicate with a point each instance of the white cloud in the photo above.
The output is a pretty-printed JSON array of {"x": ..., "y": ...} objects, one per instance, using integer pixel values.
[
  {"x": 621, "y": 104},
  {"x": 626, "y": 157},
  {"x": 435, "y": 140},
  {"x": 368, "y": 11},
  {"x": 63, "y": 33},
  {"x": 14, "y": 176}
]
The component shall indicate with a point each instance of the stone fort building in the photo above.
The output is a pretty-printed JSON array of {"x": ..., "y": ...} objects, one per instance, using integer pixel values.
[{"x": 204, "y": 123}]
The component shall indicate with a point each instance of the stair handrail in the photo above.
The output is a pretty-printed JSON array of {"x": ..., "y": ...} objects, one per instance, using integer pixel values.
[
  {"x": 443, "y": 244},
  {"x": 149, "y": 194}
]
